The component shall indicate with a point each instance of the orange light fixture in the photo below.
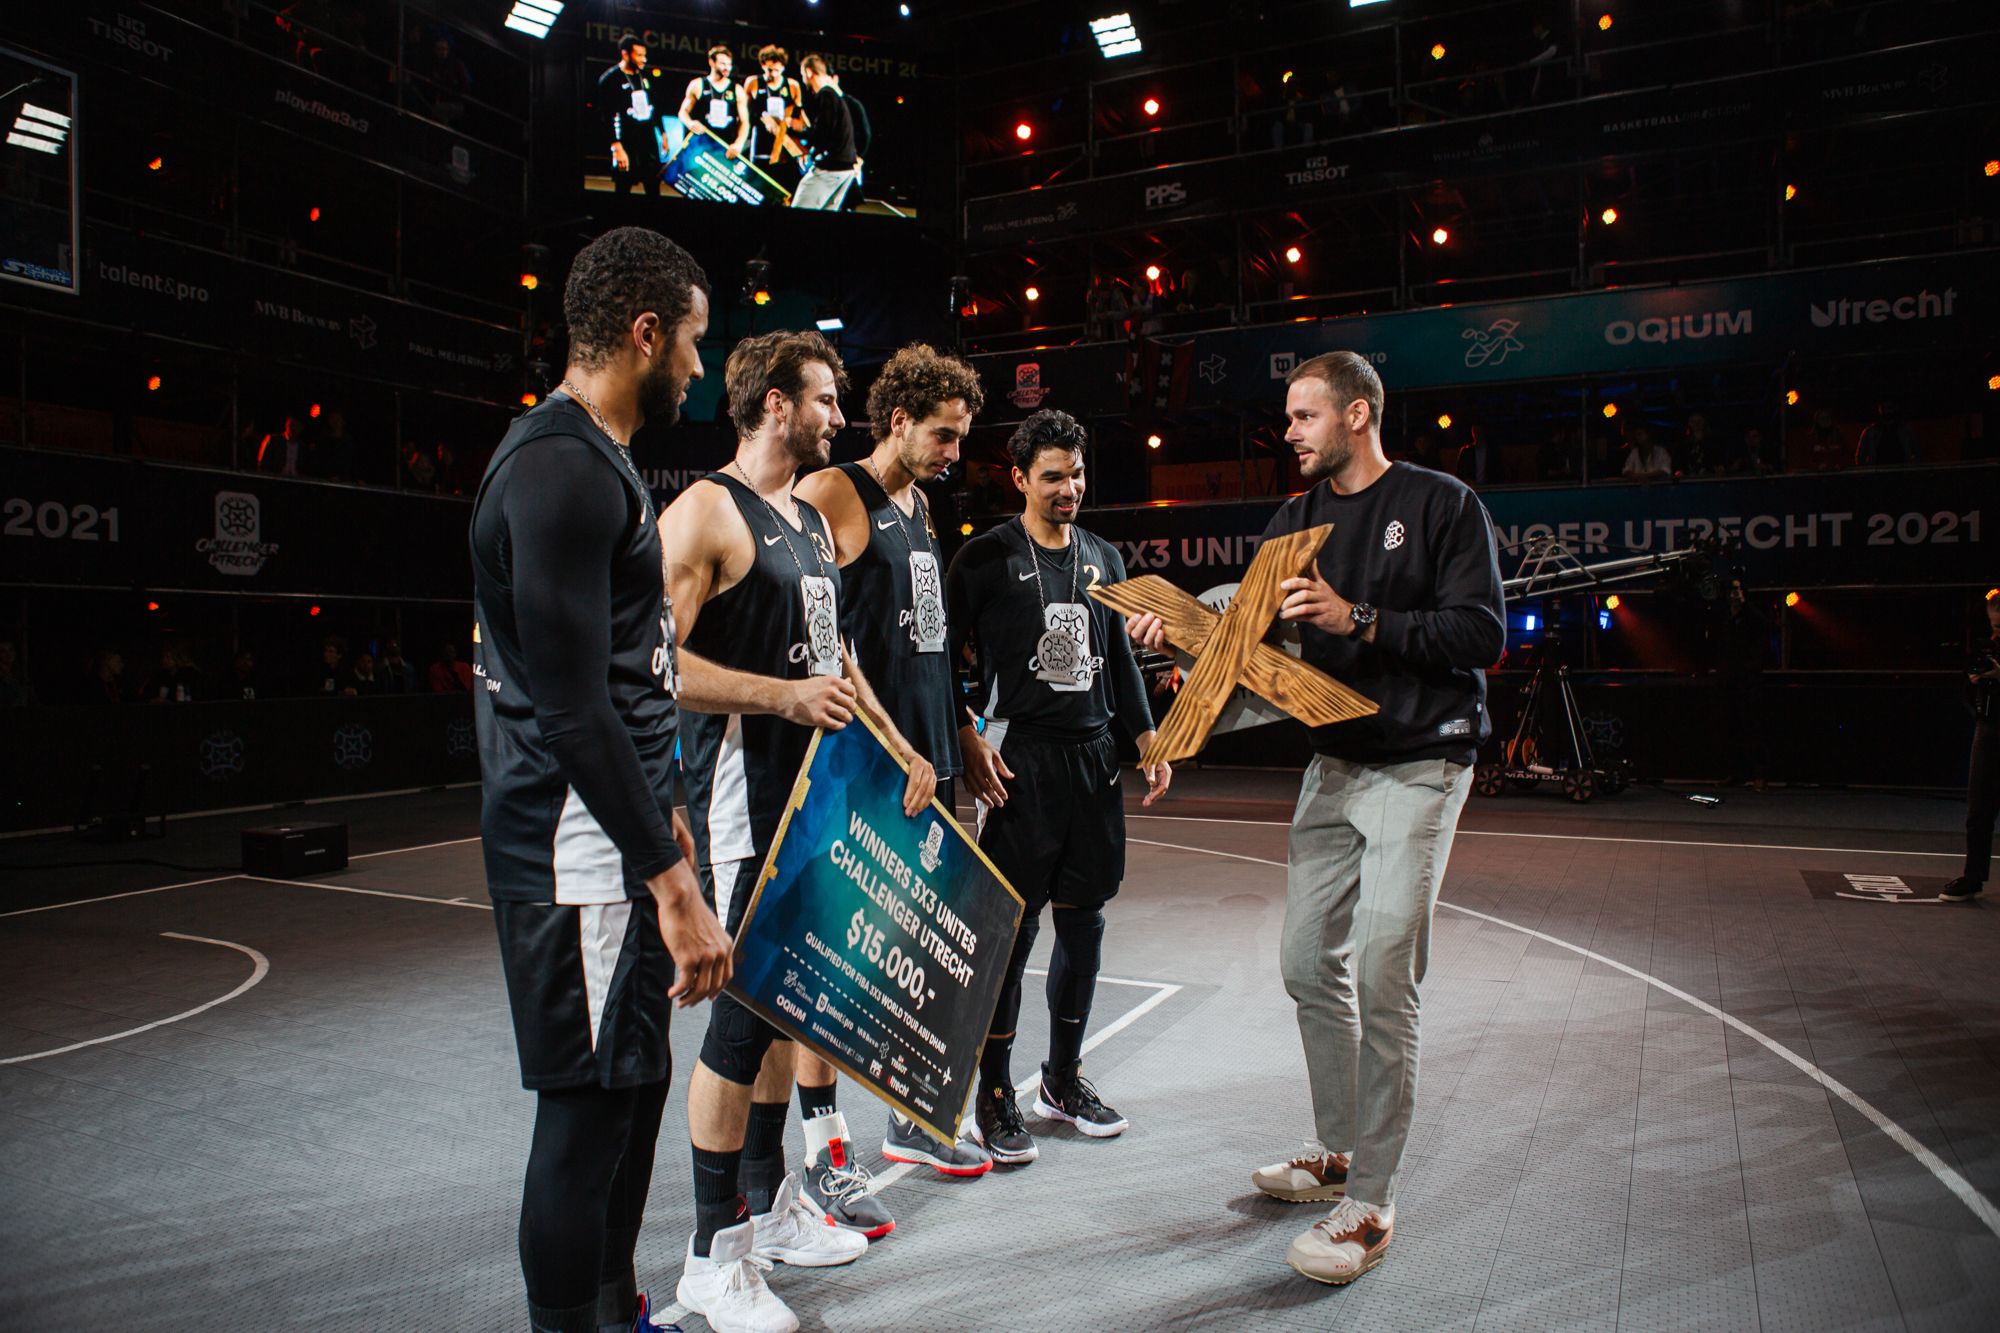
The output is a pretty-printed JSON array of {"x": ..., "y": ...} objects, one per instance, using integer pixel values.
[
  {"x": 1791, "y": 398},
  {"x": 1791, "y": 192},
  {"x": 312, "y": 610},
  {"x": 1608, "y": 216},
  {"x": 152, "y": 606},
  {"x": 1604, "y": 23},
  {"x": 1992, "y": 593},
  {"x": 1791, "y": 599},
  {"x": 1992, "y": 166},
  {"x": 1612, "y": 603},
  {"x": 1151, "y": 106},
  {"x": 1293, "y": 254},
  {"x": 313, "y": 411},
  {"x": 1024, "y": 131},
  {"x": 152, "y": 383},
  {"x": 1154, "y": 441},
  {"x": 1444, "y": 421},
  {"x": 1286, "y": 77},
  {"x": 760, "y": 297},
  {"x": 965, "y": 529},
  {"x": 159, "y": 162},
  {"x": 312, "y": 214},
  {"x": 530, "y": 398},
  {"x": 1033, "y": 293},
  {"x": 1437, "y": 52},
  {"x": 1440, "y": 236},
  {"x": 530, "y": 281},
  {"x": 1993, "y": 381},
  {"x": 1610, "y": 411}
]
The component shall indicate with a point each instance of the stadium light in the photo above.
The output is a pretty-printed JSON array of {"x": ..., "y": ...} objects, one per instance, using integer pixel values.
[
  {"x": 831, "y": 324},
  {"x": 1791, "y": 599},
  {"x": 965, "y": 529},
  {"x": 1612, "y": 603},
  {"x": 1154, "y": 441},
  {"x": 1604, "y": 23},
  {"x": 534, "y": 17},
  {"x": 1293, "y": 254},
  {"x": 1024, "y": 131},
  {"x": 1610, "y": 411},
  {"x": 1033, "y": 293},
  {"x": 1440, "y": 237},
  {"x": 1151, "y": 106},
  {"x": 1609, "y": 216},
  {"x": 1116, "y": 35},
  {"x": 39, "y": 129},
  {"x": 1791, "y": 398},
  {"x": 1437, "y": 51},
  {"x": 1444, "y": 421},
  {"x": 1993, "y": 381},
  {"x": 1993, "y": 166},
  {"x": 1791, "y": 192},
  {"x": 1152, "y": 273}
]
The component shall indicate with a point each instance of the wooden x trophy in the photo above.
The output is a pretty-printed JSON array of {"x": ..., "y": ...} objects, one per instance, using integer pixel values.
[{"x": 1229, "y": 649}]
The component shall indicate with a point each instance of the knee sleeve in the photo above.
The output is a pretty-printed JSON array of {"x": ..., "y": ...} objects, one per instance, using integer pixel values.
[
  {"x": 1007, "y": 1012},
  {"x": 1079, "y": 953},
  {"x": 736, "y": 1041}
]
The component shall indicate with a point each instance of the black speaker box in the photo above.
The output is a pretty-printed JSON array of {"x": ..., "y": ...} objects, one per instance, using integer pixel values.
[{"x": 285, "y": 851}]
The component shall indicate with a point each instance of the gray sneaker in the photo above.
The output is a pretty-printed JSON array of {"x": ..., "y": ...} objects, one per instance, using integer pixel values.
[
  {"x": 836, "y": 1187},
  {"x": 907, "y": 1142}
]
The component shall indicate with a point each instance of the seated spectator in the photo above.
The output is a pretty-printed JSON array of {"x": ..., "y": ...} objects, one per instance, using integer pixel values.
[
  {"x": 175, "y": 681},
  {"x": 240, "y": 681},
  {"x": 15, "y": 689},
  {"x": 1824, "y": 451},
  {"x": 1647, "y": 461},
  {"x": 1887, "y": 442},
  {"x": 360, "y": 677},
  {"x": 1755, "y": 456},
  {"x": 448, "y": 80},
  {"x": 398, "y": 676},
  {"x": 1700, "y": 451},
  {"x": 448, "y": 674},
  {"x": 331, "y": 454},
  {"x": 326, "y": 681},
  {"x": 418, "y": 469},
  {"x": 104, "y": 678}
]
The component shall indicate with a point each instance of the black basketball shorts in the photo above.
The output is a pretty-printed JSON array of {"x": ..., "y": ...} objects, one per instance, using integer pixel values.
[
  {"x": 588, "y": 989},
  {"x": 1061, "y": 835}
]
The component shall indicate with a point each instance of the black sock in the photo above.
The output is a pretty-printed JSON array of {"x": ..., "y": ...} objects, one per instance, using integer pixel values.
[
  {"x": 816, "y": 1102},
  {"x": 996, "y": 1061},
  {"x": 717, "y": 1201},
  {"x": 1066, "y": 1044},
  {"x": 566, "y": 1319},
  {"x": 764, "y": 1154}
]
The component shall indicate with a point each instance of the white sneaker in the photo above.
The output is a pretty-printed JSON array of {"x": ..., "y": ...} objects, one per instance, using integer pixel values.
[
  {"x": 1314, "y": 1176},
  {"x": 1344, "y": 1244},
  {"x": 792, "y": 1233},
  {"x": 727, "y": 1288}
]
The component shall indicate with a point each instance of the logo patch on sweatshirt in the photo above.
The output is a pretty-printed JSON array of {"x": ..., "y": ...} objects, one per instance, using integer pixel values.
[
  {"x": 1458, "y": 726},
  {"x": 1392, "y": 536}
]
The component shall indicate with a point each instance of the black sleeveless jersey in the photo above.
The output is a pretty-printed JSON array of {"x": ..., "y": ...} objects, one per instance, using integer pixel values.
[
  {"x": 777, "y": 101},
  {"x": 574, "y": 658},
  {"x": 892, "y": 611},
  {"x": 783, "y": 620},
  {"x": 715, "y": 107}
]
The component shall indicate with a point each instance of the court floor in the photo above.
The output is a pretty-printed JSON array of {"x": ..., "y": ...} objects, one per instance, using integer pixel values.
[{"x": 1684, "y": 1068}]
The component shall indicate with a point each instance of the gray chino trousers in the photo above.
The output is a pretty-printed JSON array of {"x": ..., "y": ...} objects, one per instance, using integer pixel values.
[{"x": 1368, "y": 850}]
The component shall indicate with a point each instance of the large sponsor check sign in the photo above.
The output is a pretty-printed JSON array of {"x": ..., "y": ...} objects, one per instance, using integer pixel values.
[{"x": 876, "y": 939}]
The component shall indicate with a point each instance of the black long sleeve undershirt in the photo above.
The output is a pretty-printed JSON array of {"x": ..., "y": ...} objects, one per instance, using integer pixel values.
[{"x": 565, "y": 515}]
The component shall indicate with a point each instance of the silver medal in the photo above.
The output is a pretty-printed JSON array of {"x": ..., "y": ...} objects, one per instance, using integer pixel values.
[
  {"x": 927, "y": 603},
  {"x": 822, "y": 625},
  {"x": 1062, "y": 654}
]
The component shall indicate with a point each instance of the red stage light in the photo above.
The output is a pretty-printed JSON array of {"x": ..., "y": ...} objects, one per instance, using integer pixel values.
[
  {"x": 313, "y": 215},
  {"x": 1293, "y": 254},
  {"x": 1024, "y": 131},
  {"x": 313, "y": 411},
  {"x": 1152, "y": 273},
  {"x": 1440, "y": 236},
  {"x": 1033, "y": 293},
  {"x": 312, "y": 610},
  {"x": 152, "y": 383},
  {"x": 1152, "y": 106}
]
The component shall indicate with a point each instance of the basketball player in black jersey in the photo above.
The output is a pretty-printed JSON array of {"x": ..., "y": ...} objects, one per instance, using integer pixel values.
[
  {"x": 1055, "y": 672},
  {"x": 771, "y": 101},
  {"x": 758, "y": 589},
  {"x": 892, "y": 602},
  {"x": 713, "y": 103},
  {"x": 600, "y": 916},
  {"x": 627, "y": 92}
]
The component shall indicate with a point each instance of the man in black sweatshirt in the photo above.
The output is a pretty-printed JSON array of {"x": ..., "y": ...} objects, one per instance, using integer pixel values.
[
  {"x": 1404, "y": 605},
  {"x": 830, "y": 135}
]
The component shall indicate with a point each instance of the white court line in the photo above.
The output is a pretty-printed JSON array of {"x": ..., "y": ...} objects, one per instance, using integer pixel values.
[
  {"x": 1961, "y": 1188},
  {"x": 257, "y": 974},
  {"x": 135, "y": 893},
  {"x": 1574, "y": 837},
  {"x": 421, "y": 847},
  {"x": 371, "y": 893}
]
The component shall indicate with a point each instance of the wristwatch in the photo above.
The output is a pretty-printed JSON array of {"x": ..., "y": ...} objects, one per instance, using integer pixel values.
[{"x": 1363, "y": 615}]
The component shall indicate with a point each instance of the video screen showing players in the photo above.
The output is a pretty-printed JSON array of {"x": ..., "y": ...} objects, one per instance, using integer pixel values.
[{"x": 757, "y": 124}]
